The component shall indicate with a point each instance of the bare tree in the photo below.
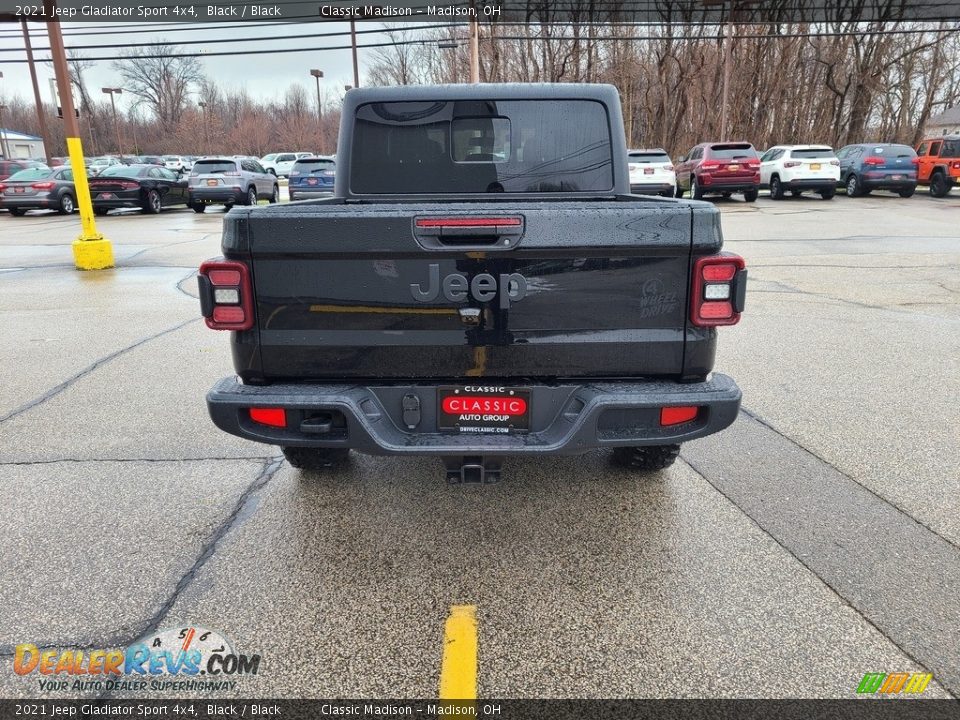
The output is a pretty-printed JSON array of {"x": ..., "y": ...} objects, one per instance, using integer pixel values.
[{"x": 162, "y": 79}]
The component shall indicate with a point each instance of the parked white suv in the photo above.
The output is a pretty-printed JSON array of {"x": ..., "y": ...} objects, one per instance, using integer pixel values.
[
  {"x": 651, "y": 172},
  {"x": 800, "y": 167},
  {"x": 279, "y": 164}
]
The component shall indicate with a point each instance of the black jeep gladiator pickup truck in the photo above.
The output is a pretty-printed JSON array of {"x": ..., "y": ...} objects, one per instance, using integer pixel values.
[{"x": 482, "y": 284}]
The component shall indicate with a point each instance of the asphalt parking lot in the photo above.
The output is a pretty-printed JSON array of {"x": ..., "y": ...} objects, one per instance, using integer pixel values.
[{"x": 814, "y": 541}]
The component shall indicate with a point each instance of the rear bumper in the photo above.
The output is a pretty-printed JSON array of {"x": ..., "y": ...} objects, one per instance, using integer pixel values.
[
  {"x": 811, "y": 184},
  {"x": 118, "y": 202},
  {"x": 887, "y": 184},
  {"x": 715, "y": 184},
  {"x": 217, "y": 195},
  {"x": 309, "y": 192},
  {"x": 654, "y": 188},
  {"x": 565, "y": 419},
  {"x": 13, "y": 202}
]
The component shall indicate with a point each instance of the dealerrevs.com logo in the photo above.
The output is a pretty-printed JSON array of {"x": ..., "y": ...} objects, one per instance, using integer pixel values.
[{"x": 175, "y": 659}]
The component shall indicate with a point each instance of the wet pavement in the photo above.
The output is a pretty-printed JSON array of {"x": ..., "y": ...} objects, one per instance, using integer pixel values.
[{"x": 814, "y": 541}]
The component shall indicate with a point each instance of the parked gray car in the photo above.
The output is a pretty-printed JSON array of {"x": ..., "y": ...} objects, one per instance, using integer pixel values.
[
  {"x": 230, "y": 181},
  {"x": 39, "y": 188}
]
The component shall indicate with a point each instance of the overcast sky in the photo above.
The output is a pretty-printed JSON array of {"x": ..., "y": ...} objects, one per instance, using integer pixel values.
[{"x": 266, "y": 76}]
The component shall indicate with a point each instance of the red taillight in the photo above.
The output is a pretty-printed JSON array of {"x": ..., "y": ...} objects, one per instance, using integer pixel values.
[
  {"x": 791, "y": 163},
  {"x": 2, "y": 187},
  {"x": 226, "y": 295},
  {"x": 274, "y": 417},
  {"x": 42, "y": 186},
  {"x": 668, "y": 167},
  {"x": 874, "y": 160},
  {"x": 710, "y": 166},
  {"x": 718, "y": 290},
  {"x": 231, "y": 174},
  {"x": 915, "y": 161},
  {"x": 677, "y": 415},
  {"x": 461, "y": 222},
  {"x": 835, "y": 162}
]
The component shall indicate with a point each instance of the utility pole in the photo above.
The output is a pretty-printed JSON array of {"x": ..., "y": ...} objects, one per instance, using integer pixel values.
[
  {"x": 353, "y": 49},
  {"x": 41, "y": 115},
  {"x": 91, "y": 251},
  {"x": 3, "y": 135},
  {"x": 727, "y": 67},
  {"x": 319, "y": 74},
  {"x": 474, "y": 44},
  {"x": 206, "y": 132},
  {"x": 116, "y": 125}
]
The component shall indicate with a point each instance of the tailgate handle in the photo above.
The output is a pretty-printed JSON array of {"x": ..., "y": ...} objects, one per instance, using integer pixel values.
[{"x": 489, "y": 231}]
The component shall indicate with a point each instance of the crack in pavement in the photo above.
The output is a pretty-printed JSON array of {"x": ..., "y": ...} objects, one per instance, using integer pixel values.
[
  {"x": 252, "y": 458},
  {"x": 124, "y": 636},
  {"x": 57, "y": 389}
]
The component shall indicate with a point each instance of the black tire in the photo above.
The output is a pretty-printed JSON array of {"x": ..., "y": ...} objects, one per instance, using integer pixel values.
[
  {"x": 251, "y": 196},
  {"x": 906, "y": 192},
  {"x": 67, "y": 205},
  {"x": 275, "y": 196},
  {"x": 939, "y": 185},
  {"x": 828, "y": 193},
  {"x": 152, "y": 203},
  {"x": 727, "y": 195},
  {"x": 679, "y": 191},
  {"x": 292, "y": 197},
  {"x": 776, "y": 188},
  {"x": 272, "y": 172},
  {"x": 796, "y": 193},
  {"x": 100, "y": 211},
  {"x": 315, "y": 459},
  {"x": 18, "y": 212},
  {"x": 695, "y": 191},
  {"x": 199, "y": 207},
  {"x": 853, "y": 186},
  {"x": 647, "y": 458},
  {"x": 751, "y": 195},
  {"x": 667, "y": 193}
]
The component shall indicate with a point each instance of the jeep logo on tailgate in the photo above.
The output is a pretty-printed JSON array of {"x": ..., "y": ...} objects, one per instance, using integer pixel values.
[{"x": 484, "y": 287}]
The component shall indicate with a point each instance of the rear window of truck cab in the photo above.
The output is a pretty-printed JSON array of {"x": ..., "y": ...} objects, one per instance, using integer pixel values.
[{"x": 479, "y": 146}]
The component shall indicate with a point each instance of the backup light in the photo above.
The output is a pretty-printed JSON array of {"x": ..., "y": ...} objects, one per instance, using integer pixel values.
[
  {"x": 716, "y": 291},
  {"x": 226, "y": 296}
]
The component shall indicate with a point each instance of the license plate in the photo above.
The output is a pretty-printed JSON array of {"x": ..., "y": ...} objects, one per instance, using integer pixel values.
[
  {"x": 18, "y": 189},
  {"x": 733, "y": 168},
  {"x": 311, "y": 181},
  {"x": 814, "y": 166},
  {"x": 211, "y": 183},
  {"x": 648, "y": 171},
  {"x": 483, "y": 409},
  {"x": 105, "y": 196},
  {"x": 896, "y": 177}
]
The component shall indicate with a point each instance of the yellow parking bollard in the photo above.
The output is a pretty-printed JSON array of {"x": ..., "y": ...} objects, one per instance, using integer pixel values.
[{"x": 91, "y": 251}]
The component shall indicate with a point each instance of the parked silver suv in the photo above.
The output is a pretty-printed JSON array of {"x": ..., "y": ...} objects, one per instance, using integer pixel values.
[{"x": 228, "y": 181}]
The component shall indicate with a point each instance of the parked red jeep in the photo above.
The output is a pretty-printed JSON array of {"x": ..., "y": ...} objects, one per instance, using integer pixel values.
[
  {"x": 719, "y": 168},
  {"x": 938, "y": 164}
]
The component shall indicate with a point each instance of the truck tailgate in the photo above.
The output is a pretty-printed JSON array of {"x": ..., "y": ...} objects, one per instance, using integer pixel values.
[{"x": 580, "y": 290}]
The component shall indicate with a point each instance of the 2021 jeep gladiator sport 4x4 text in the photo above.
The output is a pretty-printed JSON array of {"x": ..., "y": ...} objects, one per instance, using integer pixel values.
[{"x": 482, "y": 284}]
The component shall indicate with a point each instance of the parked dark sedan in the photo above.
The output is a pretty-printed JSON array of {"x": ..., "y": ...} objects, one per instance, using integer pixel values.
[
  {"x": 39, "y": 188},
  {"x": 148, "y": 187}
]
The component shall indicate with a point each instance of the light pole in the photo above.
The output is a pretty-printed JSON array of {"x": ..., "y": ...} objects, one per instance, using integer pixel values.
[
  {"x": 116, "y": 125},
  {"x": 41, "y": 115},
  {"x": 3, "y": 134},
  {"x": 353, "y": 49},
  {"x": 474, "y": 44},
  {"x": 206, "y": 133},
  {"x": 319, "y": 74}
]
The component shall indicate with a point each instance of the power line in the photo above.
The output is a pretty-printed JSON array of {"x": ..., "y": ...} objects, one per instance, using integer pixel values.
[
  {"x": 397, "y": 43},
  {"x": 232, "y": 40}
]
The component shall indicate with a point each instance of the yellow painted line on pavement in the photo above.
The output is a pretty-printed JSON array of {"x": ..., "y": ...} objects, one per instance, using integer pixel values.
[{"x": 458, "y": 673}]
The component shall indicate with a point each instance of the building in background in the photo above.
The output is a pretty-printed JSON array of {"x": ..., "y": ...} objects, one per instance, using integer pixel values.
[
  {"x": 946, "y": 123},
  {"x": 21, "y": 146}
]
